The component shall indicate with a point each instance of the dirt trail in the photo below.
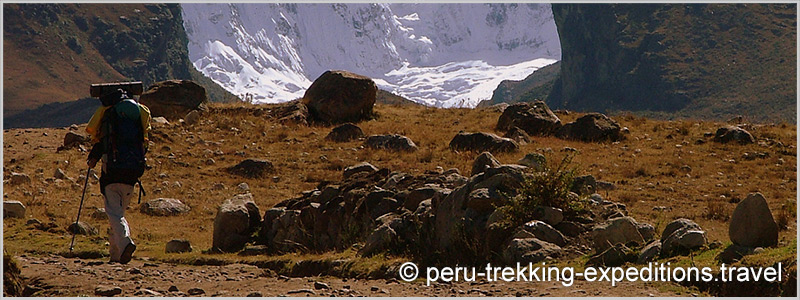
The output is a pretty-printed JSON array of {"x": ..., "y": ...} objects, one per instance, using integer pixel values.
[{"x": 58, "y": 276}]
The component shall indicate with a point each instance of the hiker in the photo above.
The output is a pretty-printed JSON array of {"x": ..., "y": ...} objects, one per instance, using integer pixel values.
[{"x": 119, "y": 133}]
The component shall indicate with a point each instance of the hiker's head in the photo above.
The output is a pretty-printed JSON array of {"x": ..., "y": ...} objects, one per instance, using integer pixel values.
[{"x": 113, "y": 97}]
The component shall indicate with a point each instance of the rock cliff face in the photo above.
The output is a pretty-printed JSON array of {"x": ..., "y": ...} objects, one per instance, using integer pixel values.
[{"x": 702, "y": 61}]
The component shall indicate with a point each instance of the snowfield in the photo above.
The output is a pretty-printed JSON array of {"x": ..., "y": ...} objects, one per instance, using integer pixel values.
[{"x": 444, "y": 55}]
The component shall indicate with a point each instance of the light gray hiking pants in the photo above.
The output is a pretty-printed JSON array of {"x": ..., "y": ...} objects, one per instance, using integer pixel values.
[{"x": 117, "y": 198}]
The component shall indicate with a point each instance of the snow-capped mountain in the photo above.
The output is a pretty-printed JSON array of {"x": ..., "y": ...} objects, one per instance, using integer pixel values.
[{"x": 437, "y": 54}]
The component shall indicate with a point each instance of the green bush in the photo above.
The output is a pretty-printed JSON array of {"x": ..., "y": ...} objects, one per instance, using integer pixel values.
[{"x": 551, "y": 187}]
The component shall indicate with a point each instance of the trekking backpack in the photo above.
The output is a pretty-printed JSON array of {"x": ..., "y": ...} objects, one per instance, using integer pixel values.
[{"x": 124, "y": 139}]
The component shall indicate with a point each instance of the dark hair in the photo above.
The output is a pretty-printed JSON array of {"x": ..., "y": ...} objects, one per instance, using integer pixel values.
[{"x": 113, "y": 97}]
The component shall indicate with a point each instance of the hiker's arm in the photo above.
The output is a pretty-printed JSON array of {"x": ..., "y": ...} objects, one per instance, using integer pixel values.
[{"x": 95, "y": 155}]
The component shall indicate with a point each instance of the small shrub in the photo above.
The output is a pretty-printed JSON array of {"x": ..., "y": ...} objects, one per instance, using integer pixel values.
[{"x": 548, "y": 188}]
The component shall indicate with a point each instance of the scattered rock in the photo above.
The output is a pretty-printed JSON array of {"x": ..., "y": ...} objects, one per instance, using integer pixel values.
[
  {"x": 733, "y": 134},
  {"x": 483, "y": 161},
  {"x": 519, "y": 136},
  {"x": 191, "y": 118},
  {"x": 550, "y": 215},
  {"x": 534, "y": 118},
  {"x": 72, "y": 140},
  {"x": 571, "y": 229},
  {"x": 59, "y": 174},
  {"x": 173, "y": 288},
  {"x": 680, "y": 236},
  {"x": 481, "y": 141},
  {"x": 391, "y": 142},
  {"x": 173, "y": 99},
  {"x": 321, "y": 286},
  {"x": 584, "y": 185},
  {"x": 107, "y": 290},
  {"x": 752, "y": 224},
  {"x": 13, "y": 209},
  {"x": 19, "y": 178},
  {"x": 255, "y": 294},
  {"x": 528, "y": 250},
  {"x": 535, "y": 161},
  {"x": 362, "y": 167},
  {"x": 292, "y": 113},
  {"x": 253, "y": 168},
  {"x": 301, "y": 291},
  {"x": 178, "y": 246},
  {"x": 164, "y": 207},
  {"x": 195, "y": 291},
  {"x": 236, "y": 219},
  {"x": 592, "y": 127},
  {"x": 545, "y": 232},
  {"x": 485, "y": 200},
  {"x": 622, "y": 230},
  {"x": 649, "y": 252},
  {"x": 82, "y": 228},
  {"x": 345, "y": 133},
  {"x": 99, "y": 213},
  {"x": 341, "y": 96}
]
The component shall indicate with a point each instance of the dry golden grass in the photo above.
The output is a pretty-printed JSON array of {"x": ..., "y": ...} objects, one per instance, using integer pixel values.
[{"x": 658, "y": 164}]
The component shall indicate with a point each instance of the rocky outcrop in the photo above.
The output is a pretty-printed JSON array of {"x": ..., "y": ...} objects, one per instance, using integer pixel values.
[
  {"x": 345, "y": 133},
  {"x": 173, "y": 99},
  {"x": 630, "y": 57},
  {"x": 534, "y": 118},
  {"x": 236, "y": 219},
  {"x": 481, "y": 141},
  {"x": 733, "y": 134},
  {"x": 592, "y": 127},
  {"x": 391, "y": 142},
  {"x": 341, "y": 96},
  {"x": 252, "y": 168},
  {"x": 752, "y": 224}
]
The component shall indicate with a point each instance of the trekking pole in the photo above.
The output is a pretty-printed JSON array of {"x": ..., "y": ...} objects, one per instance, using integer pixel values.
[{"x": 83, "y": 195}]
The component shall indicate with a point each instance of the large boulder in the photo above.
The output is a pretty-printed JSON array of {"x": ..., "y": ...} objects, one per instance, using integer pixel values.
[
  {"x": 481, "y": 141},
  {"x": 528, "y": 250},
  {"x": 345, "y": 133},
  {"x": 534, "y": 118},
  {"x": 253, "y": 168},
  {"x": 752, "y": 224},
  {"x": 13, "y": 209},
  {"x": 236, "y": 219},
  {"x": 341, "y": 96},
  {"x": 733, "y": 134},
  {"x": 681, "y": 235},
  {"x": 164, "y": 207},
  {"x": 173, "y": 99},
  {"x": 592, "y": 127},
  {"x": 622, "y": 230},
  {"x": 391, "y": 142},
  {"x": 483, "y": 161}
]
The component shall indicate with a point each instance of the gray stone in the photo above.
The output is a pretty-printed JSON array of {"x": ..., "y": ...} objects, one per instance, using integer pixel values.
[
  {"x": 733, "y": 134},
  {"x": 107, "y": 290},
  {"x": 519, "y": 136},
  {"x": 569, "y": 228},
  {"x": 592, "y": 127},
  {"x": 191, "y": 118},
  {"x": 649, "y": 252},
  {"x": 681, "y": 235},
  {"x": 164, "y": 207},
  {"x": 82, "y": 228},
  {"x": 13, "y": 209},
  {"x": 534, "y": 118},
  {"x": 485, "y": 200},
  {"x": 549, "y": 215},
  {"x": 178, "y": 246},
  {"x": 614, "y": 256},
  {"x": 99, "y": 213},
  {"x": 236, "y": 218},
  {"x": 483, "y": 161},
  {"x": 584, "y": 185},
  {"x": 545, "y": 232},
  {"x": 391, "y": 142},
  {"x": 622, "y": 230},
  {"x": 321, "y": 286},
  {"x": 362, "y": 167},
  {"x": 345, "y": 133},
  {"x": 752, "y": 224},
  {"x": 482, "y": 141},
  {"x": 647, "y": 231},
  {"x": 253, "y": 168},
  {"x": 534, "y": 161},
  {"x": 528, "y": 250}
]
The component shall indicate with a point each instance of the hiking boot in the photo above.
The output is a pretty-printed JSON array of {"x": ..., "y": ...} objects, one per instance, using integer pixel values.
[{"x": 127, "y": 254}]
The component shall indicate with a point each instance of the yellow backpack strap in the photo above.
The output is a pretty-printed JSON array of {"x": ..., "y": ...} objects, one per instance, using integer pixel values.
[
  {"x": 144, "y": 115},
  {"x": 93, "y": 128}
]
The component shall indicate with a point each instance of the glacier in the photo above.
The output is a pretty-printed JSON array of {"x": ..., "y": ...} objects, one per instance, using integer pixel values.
[{"x": 443, "y": 55}]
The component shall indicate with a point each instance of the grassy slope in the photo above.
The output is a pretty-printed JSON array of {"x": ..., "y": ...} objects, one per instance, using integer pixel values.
[{"x": 646, "y": 168}]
